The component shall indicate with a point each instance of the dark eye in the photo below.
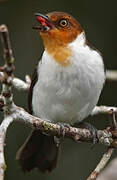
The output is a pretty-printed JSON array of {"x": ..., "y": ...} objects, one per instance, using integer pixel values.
[{"x": 63, "y": 23}]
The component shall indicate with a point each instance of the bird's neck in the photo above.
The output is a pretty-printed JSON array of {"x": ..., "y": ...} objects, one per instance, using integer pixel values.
[{"x": 61, "y": 52}]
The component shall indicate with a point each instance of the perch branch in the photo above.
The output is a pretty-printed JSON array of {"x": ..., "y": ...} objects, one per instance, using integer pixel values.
[{"x": 77, "y": 134}]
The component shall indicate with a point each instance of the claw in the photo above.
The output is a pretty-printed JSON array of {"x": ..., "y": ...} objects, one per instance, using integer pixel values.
[{"x": 62, "y": 127}]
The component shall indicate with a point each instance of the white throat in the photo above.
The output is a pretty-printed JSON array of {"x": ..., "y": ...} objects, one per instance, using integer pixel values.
[{"x": 79, "y": 41}]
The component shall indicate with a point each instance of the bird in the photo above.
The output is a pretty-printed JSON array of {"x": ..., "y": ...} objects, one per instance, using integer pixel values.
[{"x": 66, "y": 85}]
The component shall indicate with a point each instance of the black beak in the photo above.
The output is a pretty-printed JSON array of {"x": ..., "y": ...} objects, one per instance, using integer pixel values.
[
  {"x": 45, "y": 23},
  {"x": 41, "y": 15}
]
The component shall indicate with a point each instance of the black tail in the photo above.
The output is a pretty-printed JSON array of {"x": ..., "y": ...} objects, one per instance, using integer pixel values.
[{"x": 38, "y": 151}]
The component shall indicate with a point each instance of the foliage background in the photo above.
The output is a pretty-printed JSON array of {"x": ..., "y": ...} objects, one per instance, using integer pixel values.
[{"x": 99, "y": 21}]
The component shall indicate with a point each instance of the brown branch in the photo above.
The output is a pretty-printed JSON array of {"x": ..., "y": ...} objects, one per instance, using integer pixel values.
[
  {"x": 77, "y": 134},
  {"x": 101, "y": 164},
  {"x": 110, "y": 172}
]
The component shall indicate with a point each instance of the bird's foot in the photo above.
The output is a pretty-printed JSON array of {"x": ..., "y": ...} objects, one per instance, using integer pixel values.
[
  {"x": 90, "y": 127},
  {"x": 49, "y": 121},
  {"x": 62, "y": 127}
]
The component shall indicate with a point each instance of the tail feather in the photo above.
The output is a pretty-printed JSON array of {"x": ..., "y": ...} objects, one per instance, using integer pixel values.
[{"x": 38, "y": 151}]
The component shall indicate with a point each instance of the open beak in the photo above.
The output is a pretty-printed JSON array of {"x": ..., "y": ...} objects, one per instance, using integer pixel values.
[{"x": 44, "y": 23}]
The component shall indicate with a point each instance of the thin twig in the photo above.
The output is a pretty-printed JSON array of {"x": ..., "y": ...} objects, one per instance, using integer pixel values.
[
  {"x": 111, "y": 75},
  {"x": 110, "y": 172},
  {"x": 16, "y": 82},
  {"x": 104, "y": 110},
  {"x": 8, "y": 69},
  {"x": 107, "y": 154},
  {"x": 3, "y": 128},
  {"x": 6, "y": 97},
  {"x": 20, "y": 84},
  {"x": 8, "y": 54},
  {"x": 101, "y": 164}
]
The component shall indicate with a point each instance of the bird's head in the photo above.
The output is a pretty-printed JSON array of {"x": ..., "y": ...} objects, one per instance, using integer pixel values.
[{"x": 57, "y": 30}]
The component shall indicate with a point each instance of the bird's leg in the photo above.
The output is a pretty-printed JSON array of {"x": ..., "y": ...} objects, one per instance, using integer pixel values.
[
  {"x": 57, "y": 141},
  {"x": 90, "y": 127}
]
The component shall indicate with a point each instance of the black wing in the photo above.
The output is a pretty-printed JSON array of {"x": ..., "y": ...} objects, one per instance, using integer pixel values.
[{"x": 33, "y": 82}]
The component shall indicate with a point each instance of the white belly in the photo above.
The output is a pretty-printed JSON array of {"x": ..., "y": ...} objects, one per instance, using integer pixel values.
[{"x": 68, "y": 94}]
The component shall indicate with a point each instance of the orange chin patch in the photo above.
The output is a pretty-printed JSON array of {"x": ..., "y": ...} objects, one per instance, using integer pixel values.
[
  {"x": 61, "y": 55},
  {"x": 57, "y": 48}
]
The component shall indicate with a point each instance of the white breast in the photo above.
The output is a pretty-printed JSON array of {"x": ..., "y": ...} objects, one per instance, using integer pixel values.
[{"x": 68, "y": 94}]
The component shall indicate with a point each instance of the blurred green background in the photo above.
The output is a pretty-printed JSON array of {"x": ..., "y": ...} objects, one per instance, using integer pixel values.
[{"x": 99, "y": 19}]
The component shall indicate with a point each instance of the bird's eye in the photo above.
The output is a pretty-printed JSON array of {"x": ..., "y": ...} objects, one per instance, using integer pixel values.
[{"x": 63, "y": 23}]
